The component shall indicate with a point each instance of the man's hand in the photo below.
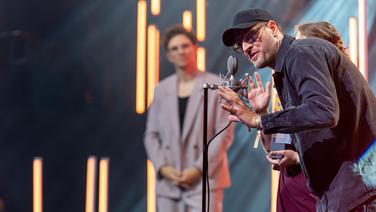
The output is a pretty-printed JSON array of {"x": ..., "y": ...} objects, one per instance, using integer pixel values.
[
  {"x": 185, "y": 179},
  {"x": 189, "y": 177},
  {"x": 170, "y": 174},
  {"x": 239, "y": 111},
  {"x": 289, "y": 158},
  {"x": 258, "y": 97}
]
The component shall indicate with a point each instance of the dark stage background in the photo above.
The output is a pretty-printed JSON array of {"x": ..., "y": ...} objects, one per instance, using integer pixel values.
[{"x": 67, "y": 91}]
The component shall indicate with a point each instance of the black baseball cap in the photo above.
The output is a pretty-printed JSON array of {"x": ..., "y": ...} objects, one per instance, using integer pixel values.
[{"x": 244, "y": 19}]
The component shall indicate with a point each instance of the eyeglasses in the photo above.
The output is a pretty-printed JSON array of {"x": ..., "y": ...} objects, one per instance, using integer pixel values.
[{"x": 250, "y": 37}]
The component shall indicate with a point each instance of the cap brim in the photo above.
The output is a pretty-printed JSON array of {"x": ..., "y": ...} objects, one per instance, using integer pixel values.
[{"x": 230, "y": 35}]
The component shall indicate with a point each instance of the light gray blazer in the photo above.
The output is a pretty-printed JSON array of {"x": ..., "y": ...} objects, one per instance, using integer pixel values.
[{"x": 166, "y": 145}]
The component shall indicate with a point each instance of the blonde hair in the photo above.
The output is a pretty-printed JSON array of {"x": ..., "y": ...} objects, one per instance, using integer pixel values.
[{"x": 323, "y": 30}]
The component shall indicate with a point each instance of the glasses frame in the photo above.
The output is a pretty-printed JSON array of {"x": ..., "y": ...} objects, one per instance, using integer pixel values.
[{"x": 250, "y": 37}]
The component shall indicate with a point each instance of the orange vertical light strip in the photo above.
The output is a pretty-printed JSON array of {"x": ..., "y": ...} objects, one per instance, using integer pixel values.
[
  {"x": 141, "y": 57},
  {"x": 201, "y": 63},
  {"x": 201, "y": 19},
  {"x": 353, "y": 40},
  {"x": 274, "y": 174},
  {"x": 37, "y": 185},
  {"x": 103, "y": 184},
  {"x": 155, "y": 7},
  {"x": 274, "y": 190},
  {"x": 363, "y": 46},
  {"x": 90, "y": 184},
  {"x": 151, "y": 62},
  {"x": 187, "y": 20},
  {"x": 157, "y": 46},
  {"x": 151, "y": 196}
]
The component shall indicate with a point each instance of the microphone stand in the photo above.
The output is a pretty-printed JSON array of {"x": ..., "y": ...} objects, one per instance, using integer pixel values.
[
  {"x": 206, "y": 86},
  {"x": 205, "y": 147}
]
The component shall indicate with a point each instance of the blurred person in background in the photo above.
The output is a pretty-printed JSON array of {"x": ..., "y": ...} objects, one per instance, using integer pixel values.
[
  {"x": 174, "y": 131},
  {"x": 323, "y": 30}
]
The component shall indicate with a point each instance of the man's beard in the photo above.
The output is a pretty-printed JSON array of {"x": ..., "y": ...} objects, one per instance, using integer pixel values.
[{"x": 261, "y": 62}]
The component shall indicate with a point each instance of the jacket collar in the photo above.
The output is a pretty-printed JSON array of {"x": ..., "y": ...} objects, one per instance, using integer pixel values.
[
  {"x": 193, "y": 104},
  {"x": 282, "y": 52}
]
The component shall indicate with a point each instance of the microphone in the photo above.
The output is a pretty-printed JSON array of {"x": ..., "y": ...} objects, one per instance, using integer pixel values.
[
  {"x": 229, "y": 79},
  {"x": 232, "y": 65},
  {"x": 232, "y": 68}
]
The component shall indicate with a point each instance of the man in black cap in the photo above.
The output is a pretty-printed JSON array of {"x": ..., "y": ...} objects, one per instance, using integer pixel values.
[{"x": 329, "y": 109}]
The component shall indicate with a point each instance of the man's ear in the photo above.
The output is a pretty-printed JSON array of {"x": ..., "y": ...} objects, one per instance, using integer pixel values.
[{"x": 273, "y": 26}]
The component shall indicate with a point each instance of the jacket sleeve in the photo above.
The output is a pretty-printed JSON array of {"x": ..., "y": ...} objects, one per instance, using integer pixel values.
[
  {"x": 152, "y": 139},
  {"x": 309, "y": 72}
]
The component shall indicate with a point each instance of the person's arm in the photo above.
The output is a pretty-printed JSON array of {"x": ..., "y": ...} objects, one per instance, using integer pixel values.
[
  {"x": 152, "y": 140},
  {"x": 308, "y": 70},
  {"x": 311, "y": 76},
  {"x": 259, "y": 99},
  {"x": 153, "y": 144}
]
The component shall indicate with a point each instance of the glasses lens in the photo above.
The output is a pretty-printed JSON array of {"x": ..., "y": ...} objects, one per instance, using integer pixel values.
[{"x": 251, "y": 36}]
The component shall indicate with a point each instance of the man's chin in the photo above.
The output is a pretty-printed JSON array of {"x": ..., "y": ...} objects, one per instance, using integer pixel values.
[
  {"x": 257, "y": 64},
  {"x": 182, "y": 65}
]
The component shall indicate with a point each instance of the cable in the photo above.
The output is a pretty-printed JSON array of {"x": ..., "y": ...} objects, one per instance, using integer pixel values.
[
  {"x": 207, "y": 176},
  {"x": 219, "y": 133}
]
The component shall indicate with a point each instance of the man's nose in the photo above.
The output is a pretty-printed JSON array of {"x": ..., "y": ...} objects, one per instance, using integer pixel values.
[
  {"x": 181, "y": 49},
  {"x": 246, "y": 46}
]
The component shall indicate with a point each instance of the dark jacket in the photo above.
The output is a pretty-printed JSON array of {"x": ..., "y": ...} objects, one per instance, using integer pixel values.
[{"x": 328, "y": 108}]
